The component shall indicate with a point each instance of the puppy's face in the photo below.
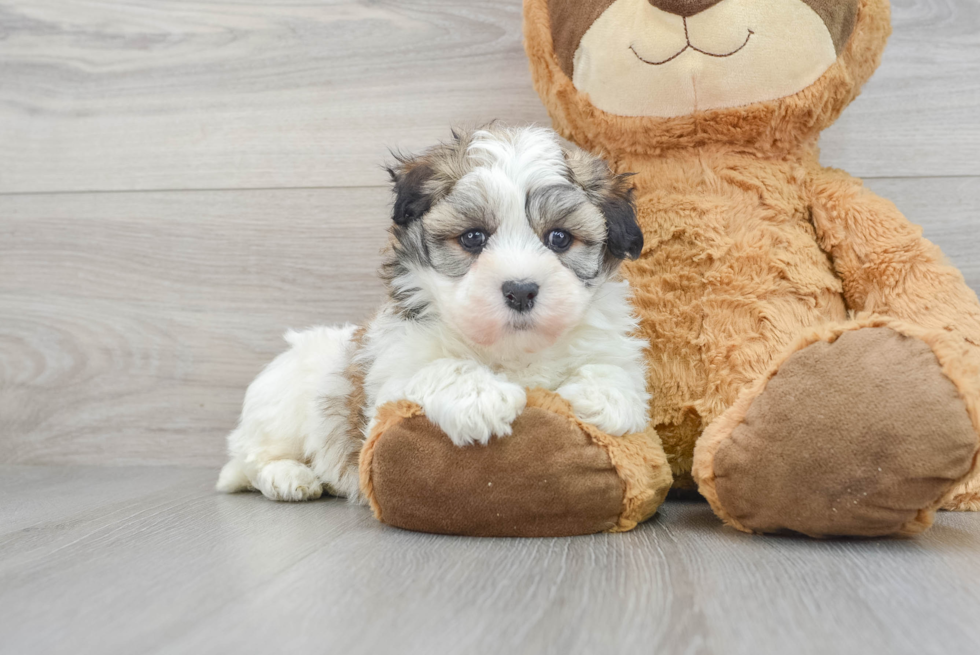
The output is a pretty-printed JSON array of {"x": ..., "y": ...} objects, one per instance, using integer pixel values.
[{"x": 506, "y": 235}]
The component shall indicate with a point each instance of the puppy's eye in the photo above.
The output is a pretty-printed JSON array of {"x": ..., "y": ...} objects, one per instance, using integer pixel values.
[
  {"x": 558, "y": 240},
  {"x": 473, "y": 241}
]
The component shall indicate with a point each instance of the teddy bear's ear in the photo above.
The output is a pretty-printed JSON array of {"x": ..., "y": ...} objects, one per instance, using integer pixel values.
[
  {"x": 410, "y": 177},
  {"x": 613, "y": 195}
]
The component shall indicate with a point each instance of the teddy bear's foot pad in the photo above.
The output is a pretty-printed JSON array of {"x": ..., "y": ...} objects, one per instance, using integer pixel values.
[{"x": 858, "y": 437}]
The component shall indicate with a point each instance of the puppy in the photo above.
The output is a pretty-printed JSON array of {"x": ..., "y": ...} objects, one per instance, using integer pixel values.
[{"x": 502, "y": 270}]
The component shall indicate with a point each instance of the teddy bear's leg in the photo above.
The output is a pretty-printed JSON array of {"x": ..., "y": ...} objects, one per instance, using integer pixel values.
[
  {"x": 862, "y": 429},
  {"x": 553, "y": 476}
]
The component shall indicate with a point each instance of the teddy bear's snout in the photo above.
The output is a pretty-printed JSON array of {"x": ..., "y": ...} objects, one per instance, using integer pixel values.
[{"x": 683, "y": 8}]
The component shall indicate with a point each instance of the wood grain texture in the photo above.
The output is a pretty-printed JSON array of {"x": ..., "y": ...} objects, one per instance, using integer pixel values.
[
  {"x": 201, "y": 94},
  {"x": 242, "y": 94},
  {"x": 153, "y": 561},
  {"x": 918, "y": 115},
  {"x": 131, "y": 323}
]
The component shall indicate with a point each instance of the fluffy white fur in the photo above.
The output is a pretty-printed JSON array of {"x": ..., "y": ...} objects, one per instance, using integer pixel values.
[
  {"x": 463, "y": 355},
  {"x": 286, "y": 445}
]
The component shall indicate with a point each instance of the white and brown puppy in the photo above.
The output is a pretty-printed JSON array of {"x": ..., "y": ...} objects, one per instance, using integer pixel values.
[{"x": 502, "y": 271}]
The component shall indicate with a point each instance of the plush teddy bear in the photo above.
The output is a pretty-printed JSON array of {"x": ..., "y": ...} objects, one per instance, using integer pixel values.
[{"x": 814, "y": 362}]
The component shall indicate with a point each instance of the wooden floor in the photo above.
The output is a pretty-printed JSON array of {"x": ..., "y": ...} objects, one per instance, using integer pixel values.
[
  {"x": 150, "y": 560},
  {"x": 182, "y": 181}
]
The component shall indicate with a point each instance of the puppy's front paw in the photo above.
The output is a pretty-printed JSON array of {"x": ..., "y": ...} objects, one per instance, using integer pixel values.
[
  {"x": 467, "y": 400},
  {"x": 289, "y": 480},
  {"x": 610, "y": 409}
]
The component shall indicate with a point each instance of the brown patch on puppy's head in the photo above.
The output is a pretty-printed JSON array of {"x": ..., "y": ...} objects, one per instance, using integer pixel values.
[
  {"x": 613, "y": 195},
  {"x": 419, "y": 182}
]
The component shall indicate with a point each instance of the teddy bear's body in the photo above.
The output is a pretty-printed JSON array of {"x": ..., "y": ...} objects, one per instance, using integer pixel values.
[
  {"x": 813, "y": 360},
  {"x": 730, "y": 276}
]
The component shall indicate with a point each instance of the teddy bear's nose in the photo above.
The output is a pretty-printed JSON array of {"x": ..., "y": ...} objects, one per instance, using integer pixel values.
[{"x": 685, "y": 8}]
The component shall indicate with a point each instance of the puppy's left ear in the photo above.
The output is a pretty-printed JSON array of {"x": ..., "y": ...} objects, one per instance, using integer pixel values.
[
  {"x": 410, "y": 177},
  {"x": 613, "y": 195},
  {"x": 624, "y": 237}
]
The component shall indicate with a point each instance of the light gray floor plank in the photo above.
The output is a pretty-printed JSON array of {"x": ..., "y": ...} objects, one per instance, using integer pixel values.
[
  {"x": 239, "y": 94},
  {"x": 132, "y": 322},
  {"x": 118, "y": 560},
  {"x": 919, "y": 114},
  {"x": 201, "y": 251},
  {"x": 131, "y": 557}
]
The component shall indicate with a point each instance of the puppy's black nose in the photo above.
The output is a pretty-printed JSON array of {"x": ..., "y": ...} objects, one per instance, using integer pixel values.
[{"x": 519, "y": 295}]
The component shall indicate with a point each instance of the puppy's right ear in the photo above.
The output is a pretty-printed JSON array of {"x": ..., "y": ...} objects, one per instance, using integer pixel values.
[{"x": 411, "y": 177}]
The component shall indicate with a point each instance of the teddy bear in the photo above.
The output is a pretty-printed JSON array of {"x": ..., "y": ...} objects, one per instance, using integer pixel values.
[{"x": 814, "y": 363}]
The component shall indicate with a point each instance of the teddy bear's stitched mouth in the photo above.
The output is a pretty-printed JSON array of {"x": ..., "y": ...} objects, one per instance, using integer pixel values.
[{"x": 690, "y": 46}]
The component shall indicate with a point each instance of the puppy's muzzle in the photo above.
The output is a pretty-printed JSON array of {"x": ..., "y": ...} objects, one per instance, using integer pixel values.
[{"x": 519, "y": 296}]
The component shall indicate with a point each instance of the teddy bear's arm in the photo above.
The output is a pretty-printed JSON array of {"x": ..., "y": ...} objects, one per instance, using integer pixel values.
[{"x": 885, "y": 264}]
